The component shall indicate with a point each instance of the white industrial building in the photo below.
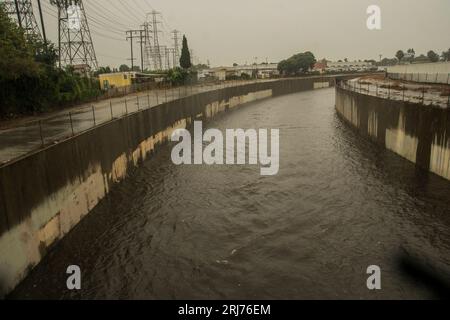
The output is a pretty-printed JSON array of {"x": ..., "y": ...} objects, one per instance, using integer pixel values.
[
  {"x": 348, "y": 66},
  {"x": 263, "y": 71}
]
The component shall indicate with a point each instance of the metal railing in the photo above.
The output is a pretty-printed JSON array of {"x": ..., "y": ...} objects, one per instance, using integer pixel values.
[
  {"x": 19, "y": 140},
  {"x": 400, "y": 92}
]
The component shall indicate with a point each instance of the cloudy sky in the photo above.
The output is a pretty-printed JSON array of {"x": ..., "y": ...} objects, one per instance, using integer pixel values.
[{"x": 228, "y": 31}]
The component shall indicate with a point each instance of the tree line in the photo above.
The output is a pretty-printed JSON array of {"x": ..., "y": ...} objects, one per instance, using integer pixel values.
[{"x": 431, "y": 56}]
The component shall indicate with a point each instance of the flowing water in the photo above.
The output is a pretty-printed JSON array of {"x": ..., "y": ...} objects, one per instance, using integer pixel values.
[{"x": 339, "y": 204}]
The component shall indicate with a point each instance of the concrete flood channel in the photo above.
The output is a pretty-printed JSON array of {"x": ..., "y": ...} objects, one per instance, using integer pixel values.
[
  {"x": 45, "y": 194},
  {"x": 339, "y": 204}
]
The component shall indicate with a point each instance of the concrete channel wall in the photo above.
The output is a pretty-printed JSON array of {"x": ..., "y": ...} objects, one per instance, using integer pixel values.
[
  {"x": 44, "y": 195},
  {"x": 414, "y": 131}
]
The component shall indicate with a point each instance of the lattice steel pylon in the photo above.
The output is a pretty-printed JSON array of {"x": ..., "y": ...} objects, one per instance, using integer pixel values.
[
  {"x": 74, "y": 40},
  {"x": 21, "y": 11},
  {"x": 147, "y": 46},
  {"x": 156, "y": 49},
  {"x": 176, "y": 47}
]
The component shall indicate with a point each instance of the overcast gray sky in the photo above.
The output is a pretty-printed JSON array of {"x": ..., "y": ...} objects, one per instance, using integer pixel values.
[{"x": 228, "y": 31}]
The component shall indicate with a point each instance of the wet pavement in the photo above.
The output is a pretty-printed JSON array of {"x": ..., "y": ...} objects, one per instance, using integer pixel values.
[{"x": 18, "y": 141}]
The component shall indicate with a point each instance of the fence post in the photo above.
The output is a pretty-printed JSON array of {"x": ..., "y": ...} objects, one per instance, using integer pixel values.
[
  {"x": 93, "y": 115},
  {"x": 137, "y": 99},
  {"x": 376, "y": 85},
  {"x": 389, "y": 90},
  {"x": 423, "y": 95},
  {"x": 110, "y": 107},
  {"x": 148, "y": 99},
  {"x": 126, "y": 106},
  {"x": 165, "y": 94},
  {"x": 404, "y": 89},
  {"x": 40, "y": 133},
  {"x": 71, "y": 123},
  {"x": 157, "y": 99}
]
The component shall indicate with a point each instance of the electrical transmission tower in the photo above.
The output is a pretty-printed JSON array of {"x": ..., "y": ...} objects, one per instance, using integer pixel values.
[
  {"x": 176, "y": 48},
  {"x": 21, "y": 11},
  {"x": 74, "y": 40},
  {"x": 169, "y": 57},
  {"x": 156, "y": 49},
  {"x": 147, "y": 45},
  {"x": 172, "y": 62}
]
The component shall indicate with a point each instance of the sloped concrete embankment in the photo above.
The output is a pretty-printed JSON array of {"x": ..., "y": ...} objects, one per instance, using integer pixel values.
[
  {"x": 414, "y": 131},
  {"x": 44, "y": 195}
]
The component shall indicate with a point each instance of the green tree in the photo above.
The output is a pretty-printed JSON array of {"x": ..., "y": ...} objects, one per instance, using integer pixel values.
[
  {"x": 177, "y": 76},
  {"x": 446, "y": 55},
  {"x": 185, "y": 58},
  {"x": 433, "y": 56},
  {"x": 124, "y": 68},
  {"x": 400, "y": 55},
  {"x": 200, "y": 67},
  {"x": 421, "y": 59},
  {"x": 299, "y": 63},
  {"x": 102, "y": 70}
]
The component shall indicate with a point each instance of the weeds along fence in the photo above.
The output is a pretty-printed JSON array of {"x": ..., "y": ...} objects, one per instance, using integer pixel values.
[{"x": 412, "y": 93}]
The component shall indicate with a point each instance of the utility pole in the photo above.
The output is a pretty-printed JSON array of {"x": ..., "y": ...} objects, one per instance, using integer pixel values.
[
  {"x": 167, "y": 57},
  {"x": 74, "y": 36},
  {"x": 141, "y": 42},
  {"x": 191, "y": 52},
  {"x": 131, "y": 34},
  {"x": 130, "y": 37}
]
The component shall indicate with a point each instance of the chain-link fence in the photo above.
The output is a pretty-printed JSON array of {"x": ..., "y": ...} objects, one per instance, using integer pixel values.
[
  {"x": 22, "y": 139},
  {"x": 437, "y": 78},
  {"x": 425, "y": 95}
]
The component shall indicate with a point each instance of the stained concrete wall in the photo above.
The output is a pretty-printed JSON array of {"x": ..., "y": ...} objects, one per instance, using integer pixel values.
[
  {"x": 416, "y": 132},
  {"x": 430, "y": 68},
  {"x": 43, "y": 196}
]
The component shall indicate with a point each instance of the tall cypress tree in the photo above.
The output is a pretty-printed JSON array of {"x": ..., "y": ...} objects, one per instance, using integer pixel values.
[{"x": 185, "y": 59}]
